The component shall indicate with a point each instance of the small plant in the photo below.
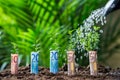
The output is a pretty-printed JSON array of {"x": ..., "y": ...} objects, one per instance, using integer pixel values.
[
  {"x": 89, "y": 37},
  {"x": 71, "y": 44},
  {"x": 14, "y": 49},
  {"x": 36, "y": 46},
  {"x": 86, "y": 39},
  {"x": 55, "y": 42}
]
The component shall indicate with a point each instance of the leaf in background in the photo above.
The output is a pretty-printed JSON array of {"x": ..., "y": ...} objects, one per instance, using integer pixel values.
[{"x": 31, "y": 20}]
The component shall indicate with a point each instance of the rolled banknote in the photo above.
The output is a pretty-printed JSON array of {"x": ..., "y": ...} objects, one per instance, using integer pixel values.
[
  {"x": 53, "y": 61},
  {"x": 71, "y": 62},
  {"x": 14, "y": 63},
  {"x": 93, "y": 62},
  {"x": 34, "y": 62}
]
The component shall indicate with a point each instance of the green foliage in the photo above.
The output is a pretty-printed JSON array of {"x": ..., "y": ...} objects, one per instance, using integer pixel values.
[
  {"x": 71, "y": 43},
  {"x": 55, "y": 42},
  {"x": 33, "y": 25},
  {"x": 28, "y": 41},
  {"x": 86, "y": 39},
  {"x": 15, "y": 49},
  {"x": 89, "y": 40}
]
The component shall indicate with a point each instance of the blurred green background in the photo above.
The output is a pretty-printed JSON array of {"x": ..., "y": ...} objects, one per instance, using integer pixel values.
[{"x": 46, "y": 22}]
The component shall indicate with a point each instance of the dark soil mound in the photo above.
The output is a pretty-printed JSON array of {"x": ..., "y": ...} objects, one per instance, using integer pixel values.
[{"x": 82, "y": 73}]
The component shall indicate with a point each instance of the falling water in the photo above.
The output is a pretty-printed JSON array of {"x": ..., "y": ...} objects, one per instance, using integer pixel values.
[{"x": 97, "y": 16}]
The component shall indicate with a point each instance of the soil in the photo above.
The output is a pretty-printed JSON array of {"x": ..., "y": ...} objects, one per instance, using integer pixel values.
[{"x": 82, "y": 73}]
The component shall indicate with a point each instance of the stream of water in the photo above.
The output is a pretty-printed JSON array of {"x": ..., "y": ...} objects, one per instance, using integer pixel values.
[{"x": 96, "y": 17}]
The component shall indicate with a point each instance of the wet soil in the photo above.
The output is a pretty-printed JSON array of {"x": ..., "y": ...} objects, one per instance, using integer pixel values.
[{"x": 82, "y": 73}]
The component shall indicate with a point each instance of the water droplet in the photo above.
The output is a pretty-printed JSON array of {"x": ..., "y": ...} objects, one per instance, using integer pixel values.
[
  {"x": 81, "y": 57},
  {"x": 101, "y": 31},
  {"x": 77, "y": 59}
]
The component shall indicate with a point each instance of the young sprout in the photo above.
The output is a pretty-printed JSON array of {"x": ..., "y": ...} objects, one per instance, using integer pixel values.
[
  {"x": 55, "y": 42},
  {"x": 36, "y": 46},
  {"x": 71, "y": 44},
  {"x": 15, "y": 48}
]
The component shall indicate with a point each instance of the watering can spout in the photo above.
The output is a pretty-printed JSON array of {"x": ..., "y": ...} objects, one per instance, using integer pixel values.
[{"x": 111, "y": 6}]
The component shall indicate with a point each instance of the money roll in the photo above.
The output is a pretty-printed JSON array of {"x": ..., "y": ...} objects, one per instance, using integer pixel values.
[
  {"x": 53, "y": 61},
  {"x": 71, "y": 62},
  {"x": 93, "y": 62},
  {"x": 34, "y": 62},
  {"x": 14, "y": 63}
]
